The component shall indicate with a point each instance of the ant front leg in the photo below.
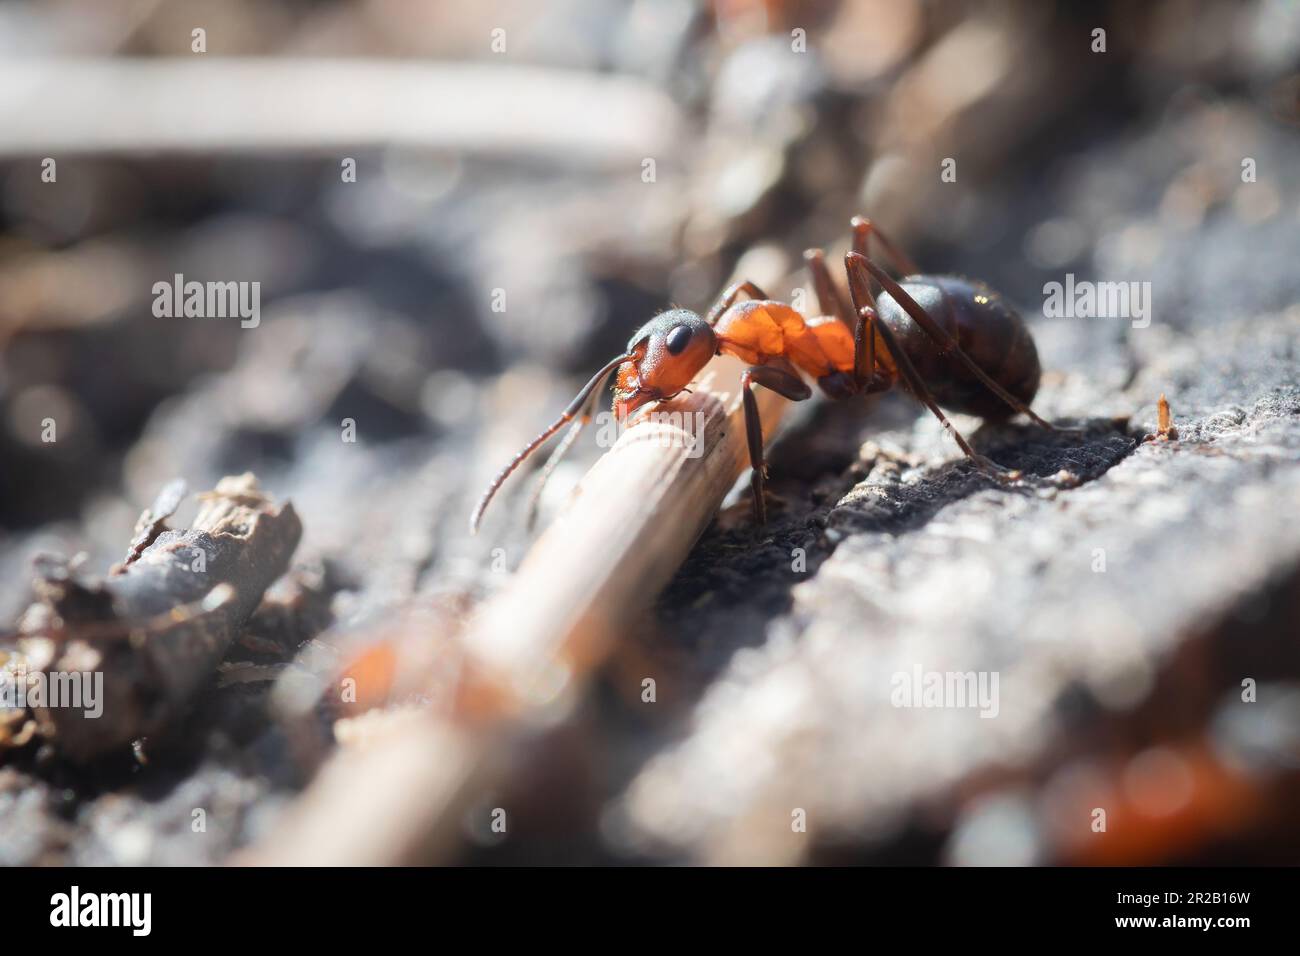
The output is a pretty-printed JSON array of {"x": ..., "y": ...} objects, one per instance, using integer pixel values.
[
  {"x": 784, "y": 381},
  {"x": 729, "y": 297}
]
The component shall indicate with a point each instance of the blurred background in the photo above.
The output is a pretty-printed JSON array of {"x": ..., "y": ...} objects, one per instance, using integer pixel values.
[{"x": 532, "y": 182}]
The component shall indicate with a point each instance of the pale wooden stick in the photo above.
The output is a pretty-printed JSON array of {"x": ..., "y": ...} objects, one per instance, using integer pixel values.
[{"x": 530, "y": 652}]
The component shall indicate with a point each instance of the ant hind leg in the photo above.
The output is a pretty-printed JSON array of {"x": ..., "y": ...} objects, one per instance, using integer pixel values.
[
  {"x": 864, "y": 229},
  {"x": 923, "y": 394},
  {"x": 946, "y": 343}
]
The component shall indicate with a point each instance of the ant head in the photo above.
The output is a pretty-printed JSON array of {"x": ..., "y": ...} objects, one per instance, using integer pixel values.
[{"x": 667, "y": 352}]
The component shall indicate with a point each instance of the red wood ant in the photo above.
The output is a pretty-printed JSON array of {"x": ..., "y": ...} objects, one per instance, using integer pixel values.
[{"x": 951, "y": 341}]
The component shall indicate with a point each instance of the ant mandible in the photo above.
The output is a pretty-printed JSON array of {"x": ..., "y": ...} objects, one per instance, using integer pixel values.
[{"x": 951, "y": 341}]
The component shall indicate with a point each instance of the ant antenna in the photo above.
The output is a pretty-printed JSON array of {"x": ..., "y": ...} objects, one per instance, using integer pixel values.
[
  {"x": 567, "y": 416},
  {"x": 557, "y": 456}
]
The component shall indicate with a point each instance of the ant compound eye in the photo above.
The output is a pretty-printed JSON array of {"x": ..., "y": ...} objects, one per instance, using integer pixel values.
[{"x": 678, "y": 339}]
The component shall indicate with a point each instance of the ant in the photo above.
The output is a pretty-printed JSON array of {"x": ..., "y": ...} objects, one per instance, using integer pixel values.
[{"x": 949, "y": 340}]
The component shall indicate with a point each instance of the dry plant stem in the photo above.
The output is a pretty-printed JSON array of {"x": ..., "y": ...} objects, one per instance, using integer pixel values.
[
  {"x": 156, "y": 626},
  {"x": 531, "y": 651}
]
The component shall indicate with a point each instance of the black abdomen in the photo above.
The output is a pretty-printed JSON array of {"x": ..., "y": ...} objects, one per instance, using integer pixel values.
[{"x": 986, "y": 328}]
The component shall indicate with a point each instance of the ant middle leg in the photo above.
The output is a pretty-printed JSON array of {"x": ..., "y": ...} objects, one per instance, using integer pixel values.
[
  {"x": 783, "y": 380},
  {"x": 729, "y": 297},
  {"x": 864, "y": 337},
  {"x": 939, "y": 336},
  {"x": 864, "y": 340},
  {"x": 829, "y": 300}
]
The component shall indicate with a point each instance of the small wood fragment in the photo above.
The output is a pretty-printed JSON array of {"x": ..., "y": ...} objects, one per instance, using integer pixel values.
[
  {"x": 1165, "y": 428},
  {"x": 152, "y": 631},
  {"x": 153, "y": 520}
]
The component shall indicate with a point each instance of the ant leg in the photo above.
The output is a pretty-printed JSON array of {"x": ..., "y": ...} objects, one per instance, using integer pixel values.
[
  {"x": 784, "y": 382},
  {"x": 829, "y": 300},
  {"x": 919, "y": 389},
  {"x": 860, "y": 289},
  {"x": 864, "y": 339},
  {"x": 729, "y": 297},
  {"x": 864, "y": 229},
  {"x": 946, "y": 343},
  {"x": 864, "y": 348}
]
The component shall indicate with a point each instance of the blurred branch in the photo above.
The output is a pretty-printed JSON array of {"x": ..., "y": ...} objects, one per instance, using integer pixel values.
[{"x": 205, "y": 105}]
